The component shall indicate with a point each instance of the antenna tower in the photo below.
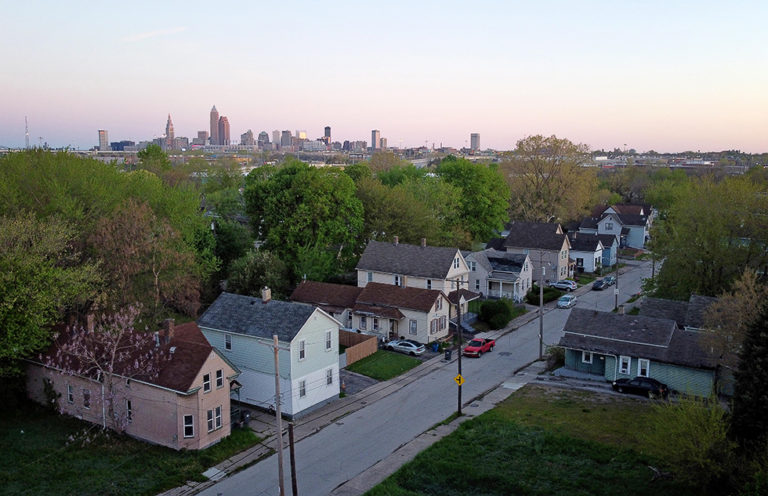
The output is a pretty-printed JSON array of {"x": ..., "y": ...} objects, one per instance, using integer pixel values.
[{"x": 26, "y": 132}]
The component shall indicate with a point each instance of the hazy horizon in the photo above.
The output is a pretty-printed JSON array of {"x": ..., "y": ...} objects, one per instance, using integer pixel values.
[{"x": 654, "y": 75}]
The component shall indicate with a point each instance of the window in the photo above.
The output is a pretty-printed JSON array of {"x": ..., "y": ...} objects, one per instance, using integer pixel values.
[
  {"x": 302, "y": 389},
  {"x": 439, "y": 304},
  {"x": 609, "y": 226},
  {"x": 433, "y": 326},
  {"x": 443, "y": 322},
  {"x": 477, "y": 285},
  {"x": 586, "y": 356},
  {"x": 624, "y": 363},
  {"x": 456, "y": 263},
  {"x": 525, "y": 266},
  {"x": 302, "y": 349},
  {"x": 227, "y": 342},
  {"x": 429, "y": 283},
  {"x": 218, "y": 417},
  {"x": 562, "y": 255},
  {"x": 206, "y": 383},
  {"x": 210, "y": 420},
  {"x": 328, "y": 340},
  {"x": 87, "y": 398},
  {"x": 363, "y": 322},
  {"x": 189, "y": 426},
  {"x": 219, "y": 379},
  {"x": 412, "y": 325},
  {"x": 643, "y": 366},
  {"x": 349, "y": 320},
  {"x": 398, "y": 281},
  {"x": 370, "y": 277},
  {"x": 375, "y": 324},
  {"x": 70, "y": 394},
  {"x": 329, "y": 377},
  {"x": 129, "y": 411},
  {"x": 473, "y": 266}
]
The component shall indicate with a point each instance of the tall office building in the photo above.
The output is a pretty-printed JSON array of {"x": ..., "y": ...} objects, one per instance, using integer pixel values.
[
  {"x": 375, "y": 140},
  {"x": 276, "y": 139},
  {"x": 214, "y": 126},
  {"x": 247, "y": 138},
  {"x": 223, "y": 131},
  {"x": 327, "y": 133},
  {"x": 474, "y": 141},
  {"x": 169, "y": 135},
  {"x": 263, "y": 139},
  {"x": 285, "y": 139},
  {"x": 104, "y": 141}
]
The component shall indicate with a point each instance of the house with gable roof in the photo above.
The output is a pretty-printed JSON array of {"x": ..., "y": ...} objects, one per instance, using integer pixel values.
[
  {"x": 618, "y": 346},
  {"x": 499, "y": 274},
  {"x": 587, "y": 250},
  {"x": 186, "y": 406},
  {"x": 631, "y": 223},
  {"x": 546, "y": 245},
  {"x": 242, "y": 329},
  {"x": 384, "y": 310}
]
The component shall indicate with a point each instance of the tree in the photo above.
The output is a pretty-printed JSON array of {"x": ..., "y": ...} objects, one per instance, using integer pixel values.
[
  {"x": 110, "y": 353},
  {"x": 258, "y": 268},
  {"x": 233, "y": 240},
  {"x": 401, "y": 173},
  {"x": 383, "y": 160},
  {"x": 154, "y": 159},
  {"x": 547, "y": 180},
  {"x": 728, "y": 319},
  {"x": 707, "y": 244},
  {"x": 40, "y": 277},
  {"x": 749, "y": 423},
  {"x": 295, "y": 206},
  {"x": 484, "y": 195}
]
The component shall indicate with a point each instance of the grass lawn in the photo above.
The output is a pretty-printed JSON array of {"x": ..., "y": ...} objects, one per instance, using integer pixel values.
[
  {"x": 541, "y": 441},
  {"x": 384, "y": 365},
  {"x": 44, "y": 453},
  {"x": 585, "y": 279}
]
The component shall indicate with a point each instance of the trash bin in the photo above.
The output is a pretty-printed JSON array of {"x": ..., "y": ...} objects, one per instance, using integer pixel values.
[
  {"x": 245, "y": 417},
  {"x": 435, "y": 347},
  {"x": 448, "y": 354}
]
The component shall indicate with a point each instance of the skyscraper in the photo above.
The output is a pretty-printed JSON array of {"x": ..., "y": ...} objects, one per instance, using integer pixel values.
[
  {"x": 375, "y": 140},
  {"x": 223, "y": 131},
  {"x": 103, "y": 141},
  {"x": 474, "y": 140},
  {"x": 263, "y": 139},
  {"x": 276, "y": 139},
  {"x": 285, "y": 139},
  {"x": 247, "y": 138},
  {"x": 327, "y": 133},
  {"x": 169, "y": 136},
  {"x": 214, "y": 126}
]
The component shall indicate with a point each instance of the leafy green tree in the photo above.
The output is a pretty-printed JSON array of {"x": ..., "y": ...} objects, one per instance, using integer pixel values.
[
  {"x": 358, "y": 171},
  {"x": 547, "y": 180},
  {"x": 233, "y": 240},
  {"x": 484, "y": 195},
  {"x": 294, "y": 207},
  {"x": 401, "y": 173},
  {"x": 749, "y": 423},
  {"x": 712, "y": 233},
  {"x": 40, "y": 276},
  {"x": 154, "y": 159},
  {"x": 258, "y": 268}
]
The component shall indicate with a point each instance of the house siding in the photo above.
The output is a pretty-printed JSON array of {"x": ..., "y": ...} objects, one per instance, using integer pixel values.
[
  {"x": 248, "y": 352},
  {"x": 573, "y": 361},
  {"x": 589, "y": 259}
]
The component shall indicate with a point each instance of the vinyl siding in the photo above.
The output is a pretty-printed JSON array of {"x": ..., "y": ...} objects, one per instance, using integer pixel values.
[{"x": 698, "y": 382}]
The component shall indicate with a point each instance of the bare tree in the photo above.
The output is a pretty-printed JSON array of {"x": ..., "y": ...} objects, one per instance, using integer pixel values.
[{"x": 112, "y": 352}]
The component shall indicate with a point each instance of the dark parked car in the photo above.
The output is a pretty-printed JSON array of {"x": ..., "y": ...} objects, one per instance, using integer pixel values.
[
  {"x": 644, "y": 386},
  {"x": 604, "y": 282}
]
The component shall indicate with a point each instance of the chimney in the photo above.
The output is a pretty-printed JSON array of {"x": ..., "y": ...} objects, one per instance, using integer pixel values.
[
  {"x": 397, "y": 240},
  {"x": 423, "y": 242},
  {"x": 266, "y": 294},
  {"x": 168, "y": 328}
]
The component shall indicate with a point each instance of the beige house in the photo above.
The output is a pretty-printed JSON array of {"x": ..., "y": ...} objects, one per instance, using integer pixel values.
[{"x": 187, "y": 406}]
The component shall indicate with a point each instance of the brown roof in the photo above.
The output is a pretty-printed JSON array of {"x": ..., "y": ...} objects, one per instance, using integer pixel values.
[
  {"x": 375, "y": 293},
  {"x": 326, "y": 294},
  {"x": 468, "y": 295},
  {"x": 378, "y": 311}
]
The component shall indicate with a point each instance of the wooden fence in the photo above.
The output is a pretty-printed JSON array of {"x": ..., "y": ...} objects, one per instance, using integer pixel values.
[{"x": 358, "y": 346}]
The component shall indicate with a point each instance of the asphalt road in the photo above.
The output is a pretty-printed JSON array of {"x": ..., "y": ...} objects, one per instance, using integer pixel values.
[{"x": 354, "y": 443}]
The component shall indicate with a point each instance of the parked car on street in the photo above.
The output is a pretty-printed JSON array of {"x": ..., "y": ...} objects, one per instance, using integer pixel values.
[
  {"x": 644, "y": 386},
  {"x": 566, "y": 301},
  {"x": 407, "y": 346},
  {"x": 604, "y": 283},
  {"x": 478, "y": 346},
  {"x": 565, "y": 284}
]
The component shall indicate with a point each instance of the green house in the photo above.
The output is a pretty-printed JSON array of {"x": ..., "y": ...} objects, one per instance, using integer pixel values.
[{"x": 625, "y": 346}]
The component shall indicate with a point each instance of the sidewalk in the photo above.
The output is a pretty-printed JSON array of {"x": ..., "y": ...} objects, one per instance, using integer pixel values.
[{"x": 332, "y": 412}]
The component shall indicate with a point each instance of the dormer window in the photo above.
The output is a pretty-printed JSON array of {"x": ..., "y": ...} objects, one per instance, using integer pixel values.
[{"x": 398, "y": 280}]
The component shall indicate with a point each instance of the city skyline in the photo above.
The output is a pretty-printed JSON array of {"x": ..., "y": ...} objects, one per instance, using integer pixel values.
[{"x": 651, "y": 75}]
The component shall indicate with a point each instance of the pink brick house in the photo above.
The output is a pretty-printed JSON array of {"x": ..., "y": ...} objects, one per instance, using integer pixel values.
[{"x": 186, "y": 406}]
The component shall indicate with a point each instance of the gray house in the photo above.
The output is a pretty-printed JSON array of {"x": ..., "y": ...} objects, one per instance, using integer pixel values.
[
  {"x": 545, "y": 243},
  {"x": 242, "y": 329},
  {"x": 625, "y": 346},
  {"x": 498, "y": 274}
]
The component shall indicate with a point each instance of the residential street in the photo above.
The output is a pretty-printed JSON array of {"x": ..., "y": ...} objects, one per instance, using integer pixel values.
[{"x": 354, "y": 443}]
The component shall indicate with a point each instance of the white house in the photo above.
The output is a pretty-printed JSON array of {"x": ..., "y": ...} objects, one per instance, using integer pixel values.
[
  {"x": 242, "y": 328},
  {"x": 498, "y": 274},
  {"x": 587, "y": 250}
]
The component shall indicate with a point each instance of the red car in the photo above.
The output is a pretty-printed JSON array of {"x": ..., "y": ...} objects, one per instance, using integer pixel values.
[{"x": 478, "y": 346}]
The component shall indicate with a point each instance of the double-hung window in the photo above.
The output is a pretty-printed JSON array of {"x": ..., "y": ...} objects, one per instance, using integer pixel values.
[
  {"x": 227, "y": 342},
  {"x": 302, "y": 389},
  {"x": 219, "y": 379},
  {"x": 624, "y": 365},
  {"x": 586, "y": 356},
  {"x": 210, "y": 420},
  {"x": 206, "y": 383},
  {"x": 363, "y": 322},
  {"x": 189, "y": 426},
  {"x": 217, "y": 417},
  {"x": 128, "y": 411},
  {"x": 328, "y": 340},
  {"x": 302, "y": 349},
  {"x": 70, "y": 394},
  {"x": 398, "y": 281},
  {"x": 412, "y": 327},
  {"x": 329, "y": 377},
  {"x": 643, "y": 367}
]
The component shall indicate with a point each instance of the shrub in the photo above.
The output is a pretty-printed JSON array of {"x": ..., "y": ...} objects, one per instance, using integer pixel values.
[
  {"x": 496, "y": 313},
  {"x": 550, "y": 294}
]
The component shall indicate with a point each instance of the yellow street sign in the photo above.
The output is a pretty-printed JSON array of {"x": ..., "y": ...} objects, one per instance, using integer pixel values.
[{"x": 459, "y": 379}]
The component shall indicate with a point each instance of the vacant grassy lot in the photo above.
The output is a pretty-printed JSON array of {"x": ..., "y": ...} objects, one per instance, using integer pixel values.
[
  {"x": 541, "y": 441},
  {"x": 384, "y": 365},
  {"x": 44, "y": 453}
]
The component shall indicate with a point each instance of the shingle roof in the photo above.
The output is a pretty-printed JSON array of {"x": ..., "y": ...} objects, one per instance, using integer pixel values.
[
  {"x": 697, "y": 305},
  {"x": 634, "y": 335},
  {"x": 375, "y": 293},
  {"x": 686, "y": 313},
  {"x": 608, "y": 240},
  {"x": 538, "y": 235},
  {"x": 468, "y": 295},
  {"x": 249, "y": 316},
  {"x": 584, "y": 241},
  {"x": 495, "y": 244},
  {"x": 423, "y": 261},
  {"x": 326, "y": 294},
  {"x": 632, "y": 208},
  {"x": 633, "y": 220},
  {"x": 589, "y": 223}
]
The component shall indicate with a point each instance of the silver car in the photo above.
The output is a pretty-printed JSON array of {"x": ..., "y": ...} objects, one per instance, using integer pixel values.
[
  {"x": 566, "y": 301},
  {"x": 407, "y": 346}
]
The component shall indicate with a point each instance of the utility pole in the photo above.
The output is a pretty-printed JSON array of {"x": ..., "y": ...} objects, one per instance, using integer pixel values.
[
  {"x": 294, "y": 482},
  {"x": 541, "y": 312},
  {"x": 616, "y": 289},
  {"x": 278, "y": 417},
  {"x": 458, "y": 328}
]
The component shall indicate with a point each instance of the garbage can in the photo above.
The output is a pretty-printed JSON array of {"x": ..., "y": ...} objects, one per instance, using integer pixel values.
[
  {"x": 245, "y": 417},
  {"x": 435, "y": 347},
  {"x": 448, "y": 354}
]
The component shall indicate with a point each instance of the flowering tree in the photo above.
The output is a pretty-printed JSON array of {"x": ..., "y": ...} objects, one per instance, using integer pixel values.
[{"x": 112, "y": 353}]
